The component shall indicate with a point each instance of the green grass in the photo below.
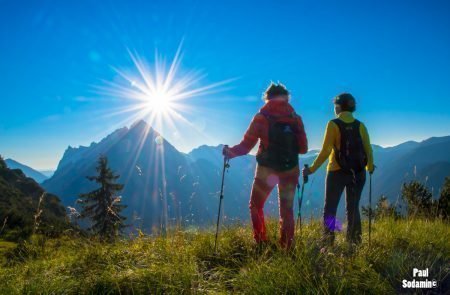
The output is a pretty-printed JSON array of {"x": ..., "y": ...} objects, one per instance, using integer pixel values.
[
  {"x": 184, "y": 262},
  {"x": 5, "y": 246}
]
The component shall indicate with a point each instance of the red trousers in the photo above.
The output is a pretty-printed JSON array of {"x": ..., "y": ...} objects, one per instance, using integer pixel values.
[{"x": 263, "y": 184}]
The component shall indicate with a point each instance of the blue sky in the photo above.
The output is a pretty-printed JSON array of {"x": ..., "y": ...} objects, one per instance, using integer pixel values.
[{"x": 394, "y": 56}]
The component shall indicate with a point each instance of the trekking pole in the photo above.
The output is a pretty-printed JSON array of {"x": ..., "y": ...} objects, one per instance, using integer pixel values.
[
  {"x": 226, "y": 165},
  {"x": 370, "y": 206},
  {"x": 300, "y": 200}
]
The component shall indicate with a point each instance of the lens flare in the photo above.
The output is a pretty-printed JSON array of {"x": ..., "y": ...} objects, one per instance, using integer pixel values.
[{"x": 159, "y": 94}]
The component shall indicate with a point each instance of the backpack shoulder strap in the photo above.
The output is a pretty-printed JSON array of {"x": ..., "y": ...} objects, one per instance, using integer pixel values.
[
  {"x": 271, "y": 117},
  {"x": 342, "y": 124},
  {"x": 338, "y": 122},
  {"x": 265, "y": 115},
  {"x": 262, "y": 113}
]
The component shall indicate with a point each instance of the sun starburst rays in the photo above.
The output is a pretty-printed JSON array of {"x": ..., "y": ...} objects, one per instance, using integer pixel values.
[{"x": 158, "y": 94}]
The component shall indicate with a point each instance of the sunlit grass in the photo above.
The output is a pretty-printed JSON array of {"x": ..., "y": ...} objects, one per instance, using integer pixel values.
[
  {"x": 184, "y": 262},
  {"x": 5, "y": 246}
]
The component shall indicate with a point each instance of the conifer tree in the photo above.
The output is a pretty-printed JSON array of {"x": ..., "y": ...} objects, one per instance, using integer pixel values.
[
  {"x": 103, "y": 205},
  {"x": 2, "y": 163},
  {"x": 418, "y": 198}
]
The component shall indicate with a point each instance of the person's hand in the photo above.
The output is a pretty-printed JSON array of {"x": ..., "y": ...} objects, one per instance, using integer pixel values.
[
  {"x": 306, "y": 171},
  {"x": 226, "y": 152},
  {"x": 372, "y": 170}
]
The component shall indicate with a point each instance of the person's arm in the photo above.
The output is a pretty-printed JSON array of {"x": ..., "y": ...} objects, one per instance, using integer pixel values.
[
  {"x": 301, "y": 137},
  {"x": 327, "y": 146},
  {"x": 367, "y": 147},
  {"x": 249, "y": 141}
]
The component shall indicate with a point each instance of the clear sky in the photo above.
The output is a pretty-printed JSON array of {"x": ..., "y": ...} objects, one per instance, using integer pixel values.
[{"x": 394, "y": 56}]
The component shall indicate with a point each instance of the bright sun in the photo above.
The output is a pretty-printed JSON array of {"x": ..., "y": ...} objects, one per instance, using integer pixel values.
[
  {"x": 159, "y": 102},
  {"x": 158, "y": 94}
]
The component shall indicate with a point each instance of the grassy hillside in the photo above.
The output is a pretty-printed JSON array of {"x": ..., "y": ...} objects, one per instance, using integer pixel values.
[
  {"x": 26, "y": 208},
  {"x": 184, "y": 262}
]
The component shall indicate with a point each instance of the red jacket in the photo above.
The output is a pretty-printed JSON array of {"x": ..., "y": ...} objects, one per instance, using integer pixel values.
[{"x": 259, "y": 127}]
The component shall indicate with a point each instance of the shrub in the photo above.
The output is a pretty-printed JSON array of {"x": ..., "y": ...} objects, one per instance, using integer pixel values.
[
  {"x": 444, "y": 200},
  {"x": 382, "y": 209}
]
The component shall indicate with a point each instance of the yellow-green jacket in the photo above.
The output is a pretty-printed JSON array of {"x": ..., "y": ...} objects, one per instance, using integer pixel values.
[{"x": 333, "y": 138}]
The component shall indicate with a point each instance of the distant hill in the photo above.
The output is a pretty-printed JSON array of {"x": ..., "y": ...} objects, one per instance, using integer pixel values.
[
  {"x": 19, "y": 199},
  {"x": 28, "y": 171},
  {"x": 395, "y": 166},
  {"x": 162, "y": 183},
  {"x": 47, "y": 173},
  {"x": 427, "y": 161}
]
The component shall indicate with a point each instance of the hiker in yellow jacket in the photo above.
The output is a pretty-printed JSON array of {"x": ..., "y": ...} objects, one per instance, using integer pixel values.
[{"x": 347, "y": 146}]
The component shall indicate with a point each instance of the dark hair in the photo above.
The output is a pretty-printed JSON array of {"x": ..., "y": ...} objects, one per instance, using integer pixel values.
[
  {"x": 346, "y": 101},
  {"x": 275, "y": 90}
]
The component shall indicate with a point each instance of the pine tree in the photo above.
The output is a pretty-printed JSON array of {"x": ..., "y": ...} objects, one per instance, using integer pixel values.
[
  {"x": 102, "y": 205},
  {"x": 2, "y": 163},
  {"x": 418, "y": 198}
]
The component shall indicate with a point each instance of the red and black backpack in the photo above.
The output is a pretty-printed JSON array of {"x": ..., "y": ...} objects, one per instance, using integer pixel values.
[{"x": 281, "y": 154}]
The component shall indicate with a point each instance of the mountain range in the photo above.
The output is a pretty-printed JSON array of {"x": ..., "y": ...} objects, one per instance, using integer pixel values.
[
  {"x": 164, "y": 185},
  {"x": 39, "y": 177}
]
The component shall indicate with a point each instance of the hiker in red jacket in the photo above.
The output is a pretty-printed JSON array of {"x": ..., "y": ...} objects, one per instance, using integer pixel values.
[{"x": 282, "y": 137}]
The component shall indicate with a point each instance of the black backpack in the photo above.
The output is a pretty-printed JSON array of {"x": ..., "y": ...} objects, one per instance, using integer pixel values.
[
  {"x": 351, "y": 157},
  {"x": 282, "y": 152}
]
